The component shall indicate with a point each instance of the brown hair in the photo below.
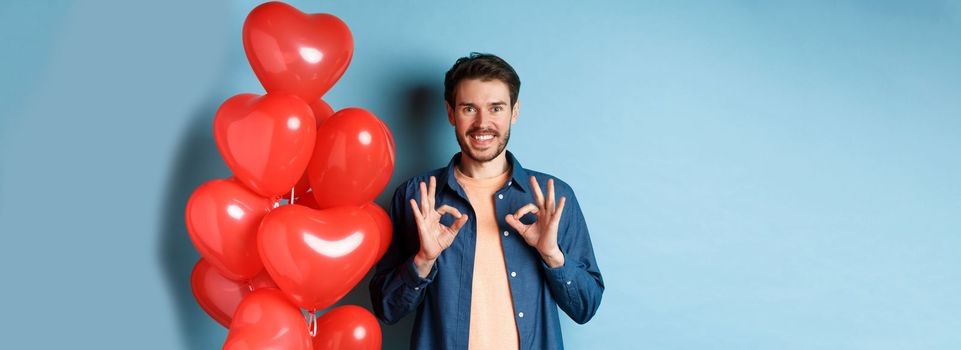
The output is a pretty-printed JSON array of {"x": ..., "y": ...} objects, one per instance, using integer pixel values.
[{"x": 482, "y": 66}]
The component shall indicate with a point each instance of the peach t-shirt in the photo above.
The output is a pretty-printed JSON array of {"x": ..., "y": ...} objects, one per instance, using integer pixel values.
[{"x": 492, "y": 324}]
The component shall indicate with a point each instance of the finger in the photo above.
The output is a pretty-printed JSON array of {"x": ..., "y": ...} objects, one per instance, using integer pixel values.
[
  {"x": 424, "y": 202},
  {"x": 432, "y": 191},
  {"x": 560, "y": 210},
  {"x": 446, "y": 209},
  {"x": 458, "y": 223},
  {"x": 529, "y": 208},
  {"x": 537, "y": 192},
  {"x": 516, "y": 223},
  {"x": 451, "y": 233},
  {"x": 551, "y": 204},
  {"x": 418, "y": 218}
]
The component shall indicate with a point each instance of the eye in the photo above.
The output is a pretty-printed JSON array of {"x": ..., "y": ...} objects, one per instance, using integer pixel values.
[
  {"x": 468, "y": 109},
  {"x": 497, "y": 108}
]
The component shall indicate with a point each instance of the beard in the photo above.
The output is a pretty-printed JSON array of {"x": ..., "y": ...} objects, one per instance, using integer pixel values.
[{"x": 483, "y": 156}]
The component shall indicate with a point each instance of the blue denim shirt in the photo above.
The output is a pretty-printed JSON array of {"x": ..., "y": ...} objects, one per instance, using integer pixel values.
[{"x": 443, "y": 299}]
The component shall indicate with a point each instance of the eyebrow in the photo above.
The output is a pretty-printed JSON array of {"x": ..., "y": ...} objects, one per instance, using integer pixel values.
[{"x": 498, "y": 103}]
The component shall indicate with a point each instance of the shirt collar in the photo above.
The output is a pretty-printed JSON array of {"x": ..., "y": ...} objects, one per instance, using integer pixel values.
[{"x": 519, "y": 176}]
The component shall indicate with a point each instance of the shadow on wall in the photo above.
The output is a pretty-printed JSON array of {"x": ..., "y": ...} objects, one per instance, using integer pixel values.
[
  {"x": 198, "y": 161},
  {"x": 415, "y": 100},
  {"x": 419, "y": 103}
]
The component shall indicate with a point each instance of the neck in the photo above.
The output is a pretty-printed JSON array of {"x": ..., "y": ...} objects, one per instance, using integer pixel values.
[{"x": 482, "y": 170}]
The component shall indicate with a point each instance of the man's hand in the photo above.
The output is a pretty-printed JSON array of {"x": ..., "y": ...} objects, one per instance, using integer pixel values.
[
  {"x": 434, "y": 237},
  {"x": 542, "y": 234}
]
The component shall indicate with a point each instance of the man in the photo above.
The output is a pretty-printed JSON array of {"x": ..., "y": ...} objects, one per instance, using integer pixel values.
[{"x": 481, "y": 250}]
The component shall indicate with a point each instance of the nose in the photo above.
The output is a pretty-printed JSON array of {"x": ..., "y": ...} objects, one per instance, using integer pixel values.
[{"x": 484, "y": 119}]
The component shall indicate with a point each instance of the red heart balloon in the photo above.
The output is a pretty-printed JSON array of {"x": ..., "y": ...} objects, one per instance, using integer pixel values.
[
  {"x": 347, "y": 327},
  {"x": 353, "y": 159},
  {"x": 222, "y": 220},
  {"x": 300, "y": 189},
  {"x": 307, "y": 200},
  {"x": 317, "y": 256},
  {"x": 385, "y": 228},
  {"x": 294, "y": 52},
  {"x": 267, "y": 320},
  {"x": 322, "y": 111},
  {"x": 219, "y": 295},
  {"x": 266, "y": 140}
]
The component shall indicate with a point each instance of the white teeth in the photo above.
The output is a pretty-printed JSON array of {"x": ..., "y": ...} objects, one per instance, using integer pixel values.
[{"x": 483, "y": 137}]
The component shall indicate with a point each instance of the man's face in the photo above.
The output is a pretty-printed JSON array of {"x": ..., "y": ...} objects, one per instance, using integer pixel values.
[{"x": 482, "y": 117}]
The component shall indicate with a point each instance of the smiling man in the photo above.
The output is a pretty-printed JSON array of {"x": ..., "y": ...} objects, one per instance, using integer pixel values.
[{"x": 485, "y": 250}]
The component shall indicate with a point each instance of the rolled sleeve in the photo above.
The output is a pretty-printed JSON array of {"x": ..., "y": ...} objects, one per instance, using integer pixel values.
[
  {"x": 412, "y": 279},
  {"x": 396, "y": 289},
  {"x": 560, "y": 280},
  {"x": 577, "y": 286}
]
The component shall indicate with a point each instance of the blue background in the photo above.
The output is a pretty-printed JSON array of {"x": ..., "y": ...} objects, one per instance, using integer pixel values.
[{"x": 755, "y": 175}]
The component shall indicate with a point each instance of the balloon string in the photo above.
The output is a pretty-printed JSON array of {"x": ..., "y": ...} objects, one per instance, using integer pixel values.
[{"x": 312, "y": 322}]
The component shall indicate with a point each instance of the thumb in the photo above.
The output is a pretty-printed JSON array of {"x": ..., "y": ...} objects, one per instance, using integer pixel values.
[
  {"x": 515, "y": 223},
  {"x": 455, "y": 227}
]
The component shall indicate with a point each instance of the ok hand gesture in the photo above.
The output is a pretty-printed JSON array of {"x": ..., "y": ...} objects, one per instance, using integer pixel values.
[
  {"x": 542, "y": 234},
  {"x": 434, "y": 237}
]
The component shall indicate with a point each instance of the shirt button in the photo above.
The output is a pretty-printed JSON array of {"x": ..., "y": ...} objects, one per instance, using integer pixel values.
[
  {"x": 506, "y": 233},
  {"x": 418, "y": 288},
  {"x": 520, "y": 314},
  {"x": 568, "y": 282},
  {"x": 500, "y": 196},
  {"x": 513, "y": 274}
]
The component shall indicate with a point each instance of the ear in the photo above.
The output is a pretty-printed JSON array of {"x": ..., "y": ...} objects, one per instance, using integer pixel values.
[
  {"x": 514, "y": 111},
  {"x": 450, "y": 113}
]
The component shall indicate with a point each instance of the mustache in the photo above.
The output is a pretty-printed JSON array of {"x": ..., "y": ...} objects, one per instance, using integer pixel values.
[{"x": 482, "y": 130}]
